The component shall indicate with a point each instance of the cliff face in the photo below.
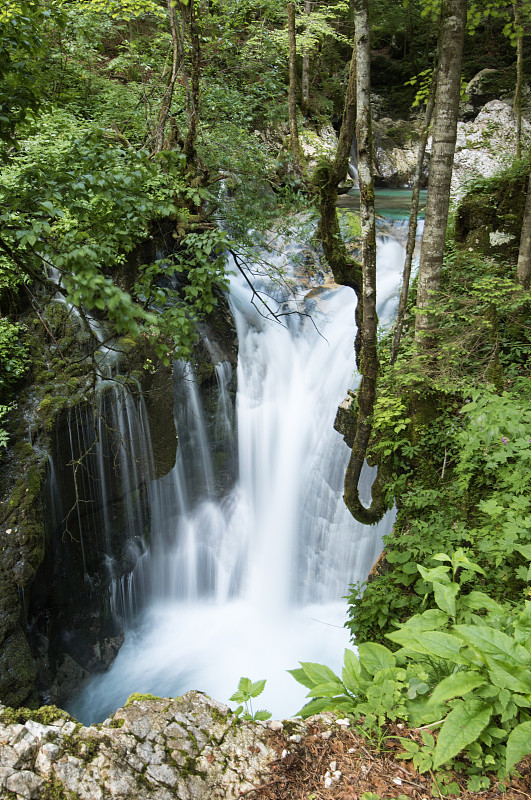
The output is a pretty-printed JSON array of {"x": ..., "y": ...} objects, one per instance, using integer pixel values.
[
  {"x": 190, "y": 748},
  {"x": 74, "y": 514}
]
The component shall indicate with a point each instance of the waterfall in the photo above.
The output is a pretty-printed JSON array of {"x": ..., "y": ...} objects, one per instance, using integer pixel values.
[{"x": 251, "y": 582}]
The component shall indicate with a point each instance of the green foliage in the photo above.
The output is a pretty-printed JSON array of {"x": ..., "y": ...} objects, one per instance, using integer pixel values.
[
  {"x": 246, "y": 692},
  {"x": 23, "y": 25},
  {"x": 469, "y": 674}
]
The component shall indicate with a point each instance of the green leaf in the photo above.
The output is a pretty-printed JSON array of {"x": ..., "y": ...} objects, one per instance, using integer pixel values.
[
  {"x": 262, "y": 715},
  {"x": 518, "y": 744},
  {"x": 328, "y": 689},
  {"x": 301, "y": 677},
  {"x": 429, "y": 643},
  {"x": 257, "y": 688},
  {"x": 479, "y": 600},
  {"x": 314, "y": 707},
  {"x": 461, "y": 727},
  {"x": 507, "y": 675},
  {"x": 525, "y": 550},
  {"x": 375, "y": 657},
  {"x": 492, "y": 641},
  {"x": 435, "y": 574},
  {"x": 456, "y": 685},
  {"x": 351, "y": 671},
  {"x": 317, "y": 673},
  {"x": 445, "y": 594}
]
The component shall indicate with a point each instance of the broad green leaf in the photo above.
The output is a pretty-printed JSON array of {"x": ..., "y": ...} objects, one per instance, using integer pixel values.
[
  {"x": 374, "y": 657},
  {"x": 317, "y": 673},
  {"x": 456, "y": 685},
  {"x": 445, "y": 594},
  {"x": 461, "y": 727},
  {"x": 429, "y": 643},
  {"x": 314, "y": 707},
  {"x": 480, "y": 600},
  {"x": 507, "y": 675},
  {"x": 351, "y": 671},
  {"x": 257, "y": 688},
  {"x": 300, "y": 676},
  {"x": 328, "y": 689},
  {"x": 244, "y": 685},
  {"x": 494, "y": 642},
  {"x": 525, "y": 550},
  {"x": 262, "y": 715},
  {"x": 435, "y": 574},
  {"x": 429, "y": 620},
  {"x": 522, "y": 626},
  {"x": 518, "y": 744}
]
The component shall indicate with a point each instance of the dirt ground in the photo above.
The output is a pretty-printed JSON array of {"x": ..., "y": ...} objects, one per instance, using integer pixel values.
[{"x": 337, "y": 763}]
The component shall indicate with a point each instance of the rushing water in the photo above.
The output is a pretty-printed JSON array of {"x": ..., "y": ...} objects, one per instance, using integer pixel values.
[{"x": 252, "y": 583}]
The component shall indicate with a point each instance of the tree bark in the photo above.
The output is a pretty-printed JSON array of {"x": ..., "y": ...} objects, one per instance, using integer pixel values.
[
  {"x": 325, "y": 180},
  {"x": 192, "y": 84},
  {"x": 412, "y": 228},
  {"x": 451, "y": 38},
  {"x": 523, "y": 271},
  {"x": 305, "y": 77},
  {"x": 292, "y": 96},
  {"x": 369, "y": 364},
  {"x": 165, "y": 107}
]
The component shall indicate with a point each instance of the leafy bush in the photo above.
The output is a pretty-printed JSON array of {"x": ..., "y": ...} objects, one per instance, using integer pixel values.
[{"x": 464, "y": 666}]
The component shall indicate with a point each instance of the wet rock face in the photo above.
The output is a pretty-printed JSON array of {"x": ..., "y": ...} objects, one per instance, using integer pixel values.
[{"x": 190, "y": 748}]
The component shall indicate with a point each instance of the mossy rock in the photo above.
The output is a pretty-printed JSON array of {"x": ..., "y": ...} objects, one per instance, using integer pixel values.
[{"x": 489, "y": 218}]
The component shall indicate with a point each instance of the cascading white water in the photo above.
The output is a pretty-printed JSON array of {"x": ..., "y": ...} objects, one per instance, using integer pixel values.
[{"x": 252, "y": 583}]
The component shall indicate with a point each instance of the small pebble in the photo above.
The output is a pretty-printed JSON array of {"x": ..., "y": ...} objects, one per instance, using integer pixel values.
[
  {"x": 398, "y": 781},
  {"x": 352, "y": 749},
  {"x": 400, "y": 725},
  {"x": 285, "y": 753},
  {"x": 337, "y": 774},
  {"x": 344, "y": 722},
  {"x": 326, "y": 735},
  {"x": 275, "y": 725},
  {"x": 295, "y": 738},
  {"x": 328, "y": 783},
  {"x": 333, "y": 766}
]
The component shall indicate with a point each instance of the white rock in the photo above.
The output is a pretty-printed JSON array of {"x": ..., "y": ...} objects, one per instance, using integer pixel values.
[
  {"x": 68, "y": 728},
  {"x": 328, "y": 783},
  {"x": 38, "y": 730},
  {"x": 333, "y": 766},
  {"x": 275, "y": 725},
  {"x": 26, "y": 784},
  {"x": 344, "y": 722},
  {"x": 47, "y": 755},
  {"x": 163, "y": 773}
]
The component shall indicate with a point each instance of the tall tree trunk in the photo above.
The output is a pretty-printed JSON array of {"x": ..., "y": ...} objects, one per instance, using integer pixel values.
[
  {"x": 369, "y": 364},
  {"x": 517, "y": 104},
  {"x": 523, "y": 271},
  {"x": 451, "y": 38},
  {"x": 326, "y": 180},
  {"x": 412, "y": 228},
  {"x": 292, "y": 96},
  {"x": 305, "y": 77},
  {"x": 158, "y": 136},
  {"x": 192, "y": 83}
]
